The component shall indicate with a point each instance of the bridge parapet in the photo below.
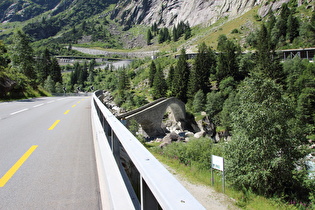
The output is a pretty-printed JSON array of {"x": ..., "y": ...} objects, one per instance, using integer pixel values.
[
  {"x": 153, "y": 188},
  {"x": 151, "y": 115}
]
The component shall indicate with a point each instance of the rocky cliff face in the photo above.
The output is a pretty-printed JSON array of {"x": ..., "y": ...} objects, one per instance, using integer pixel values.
[
  {"x": 168, "y": 13},
  {"x": 22, "y": 10},
  {"x": 129, "y": 12}
]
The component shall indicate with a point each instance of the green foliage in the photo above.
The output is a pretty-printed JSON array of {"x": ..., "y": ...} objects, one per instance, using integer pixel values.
[
  {"x": 159, "y": 84},
  {"x": 227, "y": 59},
  {"x": 152, "y": 73},
  {"x": 181, "y": 75},
  {"x": 199, "y": 101},
  {"x": 22, "y": 55},
  {"x": 149, "y": 37},
  {"x": 164, "y": 35},
  {"x": 49, "y": 84},
  {"x": 214, "y": 104},
  {"x": 196, "y": 152},
  {"x": 170, "y": 78},
  {"x": 181, "y": 29},
  {"x": 204, "y": 65},
  {"x": 264, "y": 152},
  {"x": 230, "y": 104}
]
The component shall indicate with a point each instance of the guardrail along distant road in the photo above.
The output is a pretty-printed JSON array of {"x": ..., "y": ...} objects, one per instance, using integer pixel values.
[{"x": 47, "y": 158}]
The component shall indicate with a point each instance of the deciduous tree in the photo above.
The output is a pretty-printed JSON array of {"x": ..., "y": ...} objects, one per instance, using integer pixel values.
[{"x": 264, "y": 153}]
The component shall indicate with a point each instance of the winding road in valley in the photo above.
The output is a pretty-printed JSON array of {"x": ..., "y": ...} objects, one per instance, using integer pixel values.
[{"x": 138, "y": 54}]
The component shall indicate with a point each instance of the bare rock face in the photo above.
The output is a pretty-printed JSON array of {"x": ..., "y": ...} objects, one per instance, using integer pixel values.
[
  {"x": 274, "y": 6},
  {"x": 171, "y": 12}
]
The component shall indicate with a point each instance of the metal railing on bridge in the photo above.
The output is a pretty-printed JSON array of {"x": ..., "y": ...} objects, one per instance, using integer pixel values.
[{"x": 145, "y": 183}]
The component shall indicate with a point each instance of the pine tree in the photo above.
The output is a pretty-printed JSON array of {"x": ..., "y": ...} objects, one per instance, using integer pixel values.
[
  {"x": 199, "y": 101},
  {"x": 175, "y": 34},
  {"x": 292, "y": 28},
  {"x": 265, "y": 61},
  {"x": 181, "y": 76},
  {"x": 43, "y": 66},
  {"x": 55, "y": 71},
  {"x": 271, "y": 20},
  {"x": 149, "y": 37},
  {"x": 159, "y": 84},
  {"x": 187, "y": 31},
  {"x": 170, "y": 78},
  {"x": 152, "y": 73},
  {"x": 227, "y": 59},
  {"x": 204, "y": 65},
  {"x": 83, "y": 75}
]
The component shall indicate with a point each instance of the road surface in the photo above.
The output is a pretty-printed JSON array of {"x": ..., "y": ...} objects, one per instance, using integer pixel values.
[{"x": 47, "y": 158}]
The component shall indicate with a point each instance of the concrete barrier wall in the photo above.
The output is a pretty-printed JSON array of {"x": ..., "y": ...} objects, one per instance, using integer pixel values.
[{"x": 159, "y": 189}]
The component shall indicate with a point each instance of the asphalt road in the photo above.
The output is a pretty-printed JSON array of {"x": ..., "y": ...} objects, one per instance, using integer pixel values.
[{"x": 47, "y": 158}]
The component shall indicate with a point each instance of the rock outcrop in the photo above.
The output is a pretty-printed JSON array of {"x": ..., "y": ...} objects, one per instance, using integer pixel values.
[{"x": 195, "y": 12}]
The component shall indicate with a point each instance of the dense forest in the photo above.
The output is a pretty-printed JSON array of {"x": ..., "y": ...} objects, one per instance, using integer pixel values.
[{"x": 266, "y": 104}]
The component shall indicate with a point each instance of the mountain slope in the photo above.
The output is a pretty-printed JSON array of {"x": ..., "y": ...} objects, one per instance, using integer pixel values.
[
  {"x": 22, "y": 10},
  {"x": 195, "y": 12}
]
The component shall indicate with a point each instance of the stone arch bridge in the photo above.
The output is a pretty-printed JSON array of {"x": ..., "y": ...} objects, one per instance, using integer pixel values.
[{"x": 151, "y": 115}]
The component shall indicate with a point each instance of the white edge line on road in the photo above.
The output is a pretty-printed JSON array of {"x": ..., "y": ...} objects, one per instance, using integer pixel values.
[
  {"x": 50, "y": 102},
  {"x": 38, "y": 105},
  {"x": 13, "y": 113}
]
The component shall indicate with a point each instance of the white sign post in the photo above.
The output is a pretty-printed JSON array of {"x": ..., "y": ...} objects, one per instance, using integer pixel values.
[{"x": 218, "y": 163}]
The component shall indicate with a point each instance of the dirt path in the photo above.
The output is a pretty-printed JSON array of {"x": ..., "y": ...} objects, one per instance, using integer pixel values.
[{"x": 207, "y": 196}]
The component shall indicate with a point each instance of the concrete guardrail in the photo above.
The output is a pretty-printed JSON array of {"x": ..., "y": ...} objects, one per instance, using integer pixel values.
[{"x": 149, "y": 186}]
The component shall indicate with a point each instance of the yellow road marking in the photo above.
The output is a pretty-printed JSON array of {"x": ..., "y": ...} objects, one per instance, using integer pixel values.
[
  {"x": 66, "y": 112},
  {"x": 16, "y": 166},
  {"x": 79, "y": 102},
  {"x": 54, "y": 125},
  {"x": 74, "y": 105}
]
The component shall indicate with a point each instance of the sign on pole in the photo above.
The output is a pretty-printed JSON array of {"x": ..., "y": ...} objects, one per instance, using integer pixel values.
[{"x": 218, "y": 163}]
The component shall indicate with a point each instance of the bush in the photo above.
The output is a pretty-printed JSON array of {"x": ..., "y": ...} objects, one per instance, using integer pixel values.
[
  {"x": 196, "y": 152},
  {"x": 235, "y": 31}
]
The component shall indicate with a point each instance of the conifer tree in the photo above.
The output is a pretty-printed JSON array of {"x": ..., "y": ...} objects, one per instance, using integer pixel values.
[
  {"x": 175, "y": 34},
  {"x": 83, "y": 74},
  {"x": 43, "y": 65},
  {"x": 170, "y": 78},
  {"x": 181, "y": 76},
  {"x": 292, "y": 28},
  {"x": 204, "y": 65},
  {"x": 152, "y": 73},
  {"x": 55, "y": 71},
  {"x": 227, "y": 59},
  {"x": 159, "y": 84},
  {"x": 199, "y": 101},
  {"x": 149, "y": 37},
  {"x": 266, "y": 62}
]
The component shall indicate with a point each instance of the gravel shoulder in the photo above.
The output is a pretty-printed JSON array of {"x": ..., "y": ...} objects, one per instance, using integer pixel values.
[{"x": 207, "y": 196}]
